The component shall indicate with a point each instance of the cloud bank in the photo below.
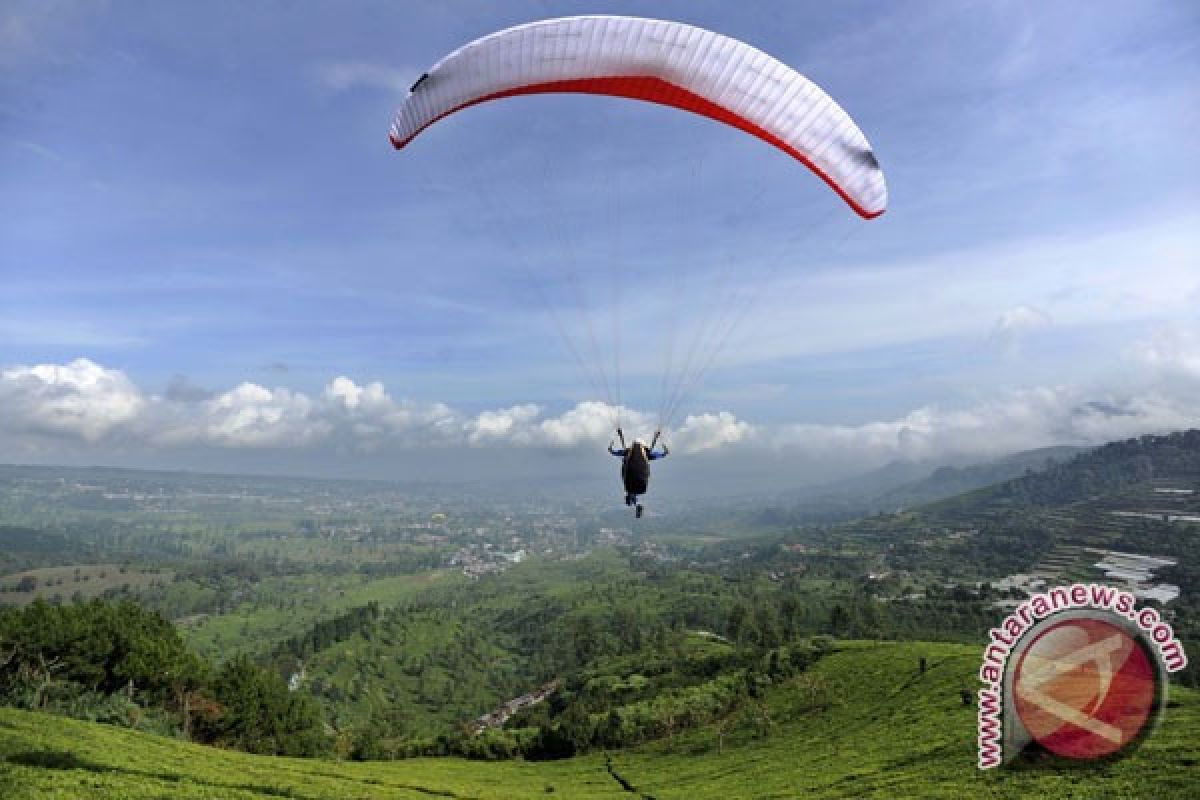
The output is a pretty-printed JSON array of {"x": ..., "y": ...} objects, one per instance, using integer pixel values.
[
  {"x": 84, "y": 404},
  {"x": 80, "y": 399}
]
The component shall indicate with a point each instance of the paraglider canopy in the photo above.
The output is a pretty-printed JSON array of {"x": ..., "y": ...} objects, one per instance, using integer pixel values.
[{"x": 663, "y": 62}]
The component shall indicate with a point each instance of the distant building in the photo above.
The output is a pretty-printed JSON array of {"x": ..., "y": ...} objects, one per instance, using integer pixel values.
[
  {"x": 1135, "y": 572},
  {"x": 1162, "y": 593},
  {"x": 501, "y": 715}
]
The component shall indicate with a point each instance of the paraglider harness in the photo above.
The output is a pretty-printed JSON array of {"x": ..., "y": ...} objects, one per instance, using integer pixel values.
[{"x": 635, "y": 466}]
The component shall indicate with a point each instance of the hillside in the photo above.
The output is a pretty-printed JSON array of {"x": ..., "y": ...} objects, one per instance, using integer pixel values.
[
  {"x": 863, "y": 722},
  {"x": 1104, "y": 472},
  {"x": 1135, "y": 496},
  {"x": 896, "y": 485},
  {"x": 947, "y": 481}
]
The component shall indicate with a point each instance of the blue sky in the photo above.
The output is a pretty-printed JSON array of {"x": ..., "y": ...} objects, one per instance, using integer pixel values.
[{"x": 210, "y": 256}]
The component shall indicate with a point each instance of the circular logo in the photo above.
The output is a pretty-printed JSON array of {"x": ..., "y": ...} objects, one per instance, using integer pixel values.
[{"x": 1086, "y": 688}]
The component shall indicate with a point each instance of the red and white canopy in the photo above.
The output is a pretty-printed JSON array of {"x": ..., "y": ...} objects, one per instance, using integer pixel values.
[{"x": 660, "y": 62}]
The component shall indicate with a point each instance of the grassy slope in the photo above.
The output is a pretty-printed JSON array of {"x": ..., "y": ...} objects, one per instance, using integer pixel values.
[
  {"x": 896, "y": 733},
  {"x": 890, "y": 732}
]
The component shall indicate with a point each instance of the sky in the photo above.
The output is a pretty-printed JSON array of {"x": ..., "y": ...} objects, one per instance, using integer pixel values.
[{"x": 211, "y": 258}]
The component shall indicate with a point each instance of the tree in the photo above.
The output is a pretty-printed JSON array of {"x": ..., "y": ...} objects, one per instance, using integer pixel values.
[
  {"x": 576, "y": 727},
  {"x": 736, "y": 625},
  {"x": 839, "y": 619},
  {"x": 611, "y": 733},
  {"x": 260, "y": 715}
]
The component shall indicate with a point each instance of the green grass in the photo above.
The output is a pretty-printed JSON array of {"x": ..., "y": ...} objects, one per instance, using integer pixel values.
[
  {"x": 880, "y": 729},
  {"x": 892, "y": 732},
  {"x": 45, "y": 757}
]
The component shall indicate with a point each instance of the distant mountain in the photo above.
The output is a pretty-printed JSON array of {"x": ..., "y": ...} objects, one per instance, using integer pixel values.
[
  {"x": 1105, "y": 471},
  {"x": 895, "y": 485},
  {"x": 947, "y": 481},
  {"x": 882, "y": 480}
]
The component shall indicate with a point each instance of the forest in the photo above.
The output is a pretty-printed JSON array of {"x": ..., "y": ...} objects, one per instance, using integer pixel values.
[{"x": 643, "y": 639}]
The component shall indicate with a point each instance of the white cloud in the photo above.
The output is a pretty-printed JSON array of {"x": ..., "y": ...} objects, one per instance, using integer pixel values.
[
  {"x": 1017, "y": 420},
  {"x": 100, "y": 407},
  {"x": 707, "y": 431},
  {"x": 1015, "y": 324},
  {"x": 81, "y": 399},
  {"x": 1021, "y": 319},
  {"x": 367, "y": 418},
  {"x": 346, "y": 393},
  {"x": 1172, "y": 350},
  {"x": 341, "y": 76},
  {"x": 254, "y": 416},
  {"x": 503, "y": 424},
  {"x": 589, "y": 423}
]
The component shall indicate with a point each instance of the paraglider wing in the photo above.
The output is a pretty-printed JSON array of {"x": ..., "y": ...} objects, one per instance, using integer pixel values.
[{"x": 663, "y": 62}]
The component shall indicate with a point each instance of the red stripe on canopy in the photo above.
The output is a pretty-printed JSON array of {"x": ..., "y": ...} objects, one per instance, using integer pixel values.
[{"x": 655, "y": 90}]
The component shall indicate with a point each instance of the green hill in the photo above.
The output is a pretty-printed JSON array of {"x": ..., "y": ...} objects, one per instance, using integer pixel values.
[
  {"x": 863, "y": 722},
  {"x": 948, "y": 481},
  {"x": 1105, "y": 473}
]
